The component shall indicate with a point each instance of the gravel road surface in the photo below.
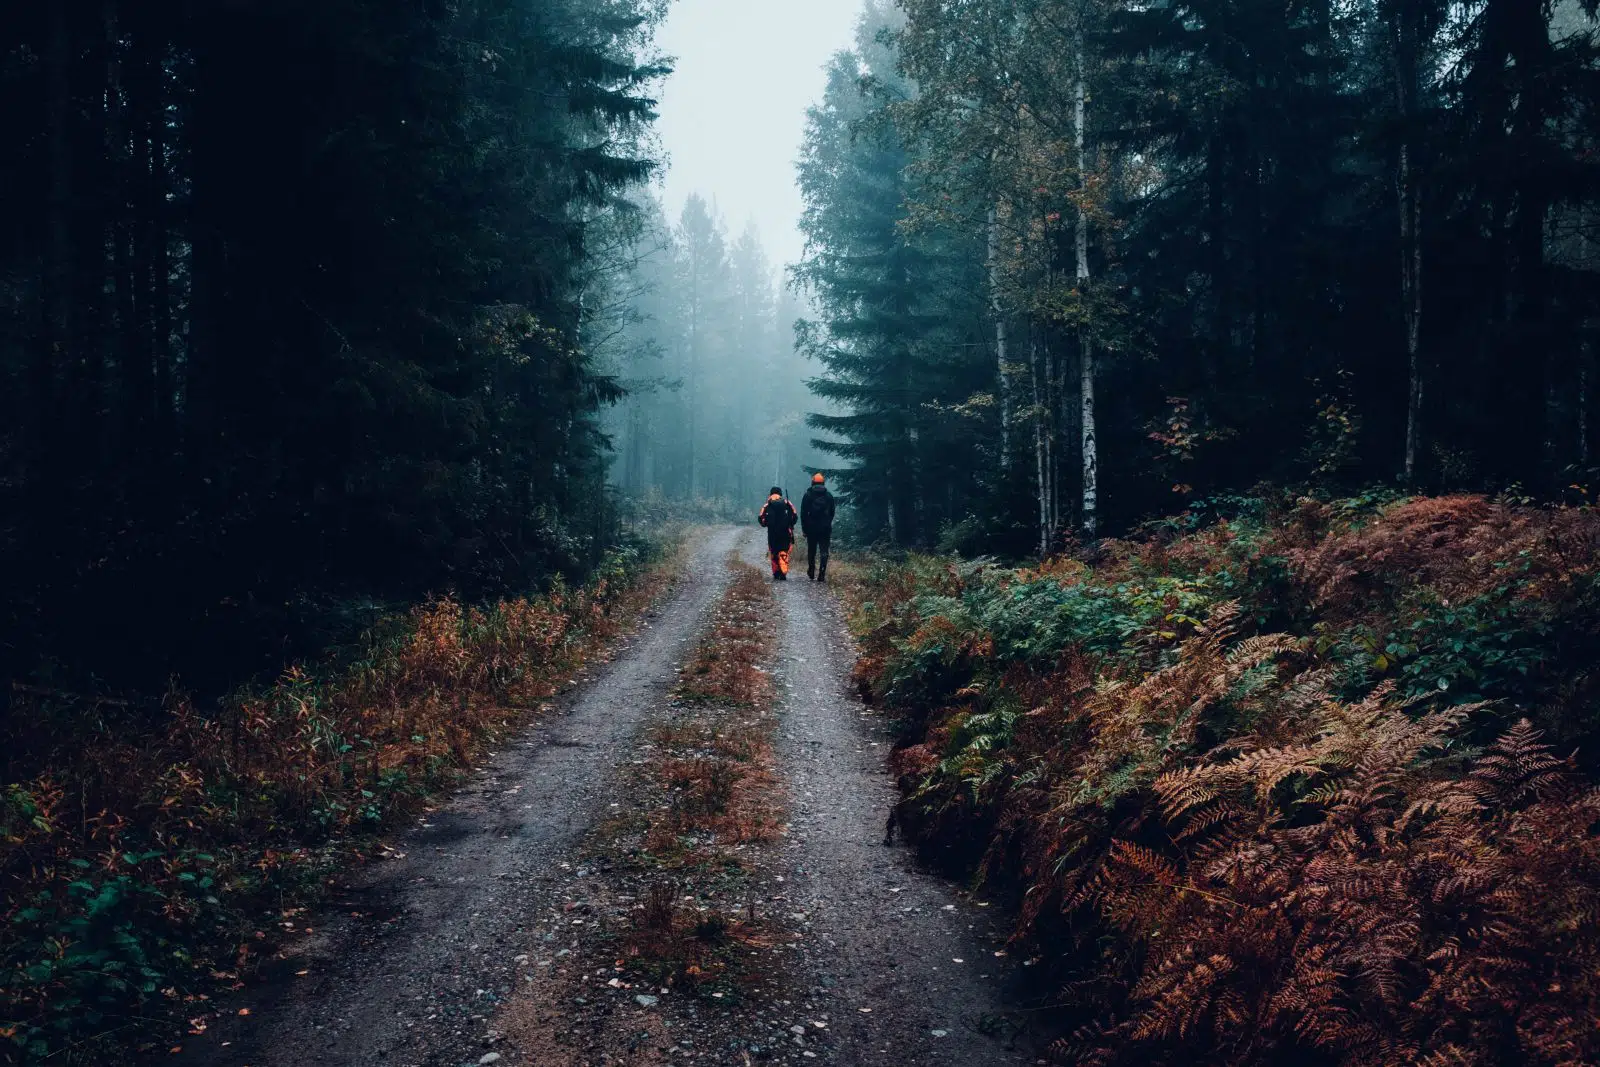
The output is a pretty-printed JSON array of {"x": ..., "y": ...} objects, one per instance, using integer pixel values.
[
  {"x": 410, "y": 963},
  {"x": 425, "y": 943},
  {"x": 902, "y": 944}
]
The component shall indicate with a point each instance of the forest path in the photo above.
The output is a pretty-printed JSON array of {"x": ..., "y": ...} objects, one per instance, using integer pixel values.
[
  {"x": 416, "y": 959},
  {"x": 913, "y": 969},
  {"x": 416, "y": 949}
]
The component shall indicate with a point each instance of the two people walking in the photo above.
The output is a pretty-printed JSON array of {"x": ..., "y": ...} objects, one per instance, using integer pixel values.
[{"x": 816, "y": 522}]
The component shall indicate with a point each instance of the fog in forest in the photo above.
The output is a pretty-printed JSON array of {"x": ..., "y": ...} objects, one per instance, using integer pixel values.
[
  {"x": 697, "y": 316},
  {"x": 1215, "y": 378},
  {"x": 392, "y": 302}
]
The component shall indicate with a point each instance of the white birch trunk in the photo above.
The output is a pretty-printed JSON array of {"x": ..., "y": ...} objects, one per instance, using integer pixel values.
[
  {"x": 1001, "y": 380},
  {"x": 1091, "y": 457}
]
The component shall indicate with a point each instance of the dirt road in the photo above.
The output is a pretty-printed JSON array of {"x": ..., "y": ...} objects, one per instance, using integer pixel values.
[
  {"x": 922, "y": 957},
  {"x": 411, "y": 963}
]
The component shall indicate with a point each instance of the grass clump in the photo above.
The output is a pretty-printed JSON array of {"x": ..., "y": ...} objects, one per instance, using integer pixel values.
[
  {"x": 714, "y": 760},
  {"x": 710, "y": 788}
]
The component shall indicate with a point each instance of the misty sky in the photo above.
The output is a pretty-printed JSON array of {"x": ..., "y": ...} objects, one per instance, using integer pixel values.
[{"x": 733, "y": 115}]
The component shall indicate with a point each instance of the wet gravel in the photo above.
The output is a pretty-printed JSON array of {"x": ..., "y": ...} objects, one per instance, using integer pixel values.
[
  {"x": 420, "y": 948},
  {"x": 906, "y": 964},
  {"x": 884, "y": 965}
]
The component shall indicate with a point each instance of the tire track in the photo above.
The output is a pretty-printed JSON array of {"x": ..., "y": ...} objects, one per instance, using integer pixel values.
[
  {"x": 917, "y": 955},
  {"x": 425, "y": 948}
]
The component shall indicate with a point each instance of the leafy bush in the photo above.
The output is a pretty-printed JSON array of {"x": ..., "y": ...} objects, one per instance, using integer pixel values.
[{"x": 1274, "y": 787}]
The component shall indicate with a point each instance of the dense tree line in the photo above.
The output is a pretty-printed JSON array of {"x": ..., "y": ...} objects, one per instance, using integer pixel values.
[
  {"x": 700, "y": 337},
  {"x": 897, "y": 314},
  {"x": 291, "y": 312},
  {"x": 1204, "y": 243}
]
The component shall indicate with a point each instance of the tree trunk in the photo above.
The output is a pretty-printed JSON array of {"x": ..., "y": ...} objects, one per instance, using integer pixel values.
[
  {"x": 84, "y": 404},
  {"x": 1586, "y": 346},
  {"x": 126, "y": 342},
  {"x": 1408, "y": 191},
  {"x": 1585, "y": 359},
  {"x": 1040, "y": 468},
  {"x": 1001, "y": 379},
  {"x": 1091, "y": 458},
  {"x": 203, "y": 415},
  {"x": 1411, "y": 293},
  {"x": 1047, "y": 412},
  {"x": 910, "y": 522},
  {"x": 160, "y": 238},
  {"x": 694, "y": 385},
  {"x": 57, "y": 348}
]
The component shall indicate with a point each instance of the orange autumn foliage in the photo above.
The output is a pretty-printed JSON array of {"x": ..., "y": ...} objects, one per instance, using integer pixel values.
[
  {"x": 135, "y": 854},
  {"x": 1240, "y": 822}
]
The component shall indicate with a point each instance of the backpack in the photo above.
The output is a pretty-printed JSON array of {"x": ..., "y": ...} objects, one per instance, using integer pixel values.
[
  {"x": 779, "y": 519},
  {"x": 816, "y": 511}
]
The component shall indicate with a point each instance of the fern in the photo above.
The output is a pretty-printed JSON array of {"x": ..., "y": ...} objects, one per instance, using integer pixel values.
[{"x": 1248, "y": 847}]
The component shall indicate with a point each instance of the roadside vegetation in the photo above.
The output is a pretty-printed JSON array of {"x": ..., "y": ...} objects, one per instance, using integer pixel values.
[
  {"x": 1279, "y": 780},
  {"x": 144, "y": 864}
]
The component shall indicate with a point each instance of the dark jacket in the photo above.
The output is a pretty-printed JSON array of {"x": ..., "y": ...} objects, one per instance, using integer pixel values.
[
  {"x": 779, "y": 518},
  {"x": 816, "y": 512}
]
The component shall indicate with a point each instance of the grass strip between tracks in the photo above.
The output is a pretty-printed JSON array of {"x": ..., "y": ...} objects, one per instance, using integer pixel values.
[{"x": 665, "y": 932}]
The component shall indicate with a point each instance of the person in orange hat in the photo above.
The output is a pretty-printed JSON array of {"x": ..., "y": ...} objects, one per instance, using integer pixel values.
[
  {"x": 778, "y": 516},
  {"x": 816, "y": 521}
]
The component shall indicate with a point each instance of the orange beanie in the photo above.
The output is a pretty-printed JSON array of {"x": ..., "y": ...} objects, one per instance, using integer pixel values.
[{"x": 817, "y": 478}]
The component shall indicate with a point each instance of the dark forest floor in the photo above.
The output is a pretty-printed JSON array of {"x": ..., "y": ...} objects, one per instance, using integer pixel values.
[{"x": 537, "y": 918}]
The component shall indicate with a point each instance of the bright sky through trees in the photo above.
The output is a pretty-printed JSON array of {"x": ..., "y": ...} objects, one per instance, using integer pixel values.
[{"x": 733, "y": 114}]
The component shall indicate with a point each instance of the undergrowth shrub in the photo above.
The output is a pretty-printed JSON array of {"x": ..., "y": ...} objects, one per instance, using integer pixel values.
[
  {"x": 137, "y": 854},
  {"x": 1286, "y": 786}
]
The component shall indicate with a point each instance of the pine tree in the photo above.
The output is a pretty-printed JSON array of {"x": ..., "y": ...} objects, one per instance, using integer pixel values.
[
  {"x": 851, "y": 187},
  {"x": 312, "y": 287}
]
